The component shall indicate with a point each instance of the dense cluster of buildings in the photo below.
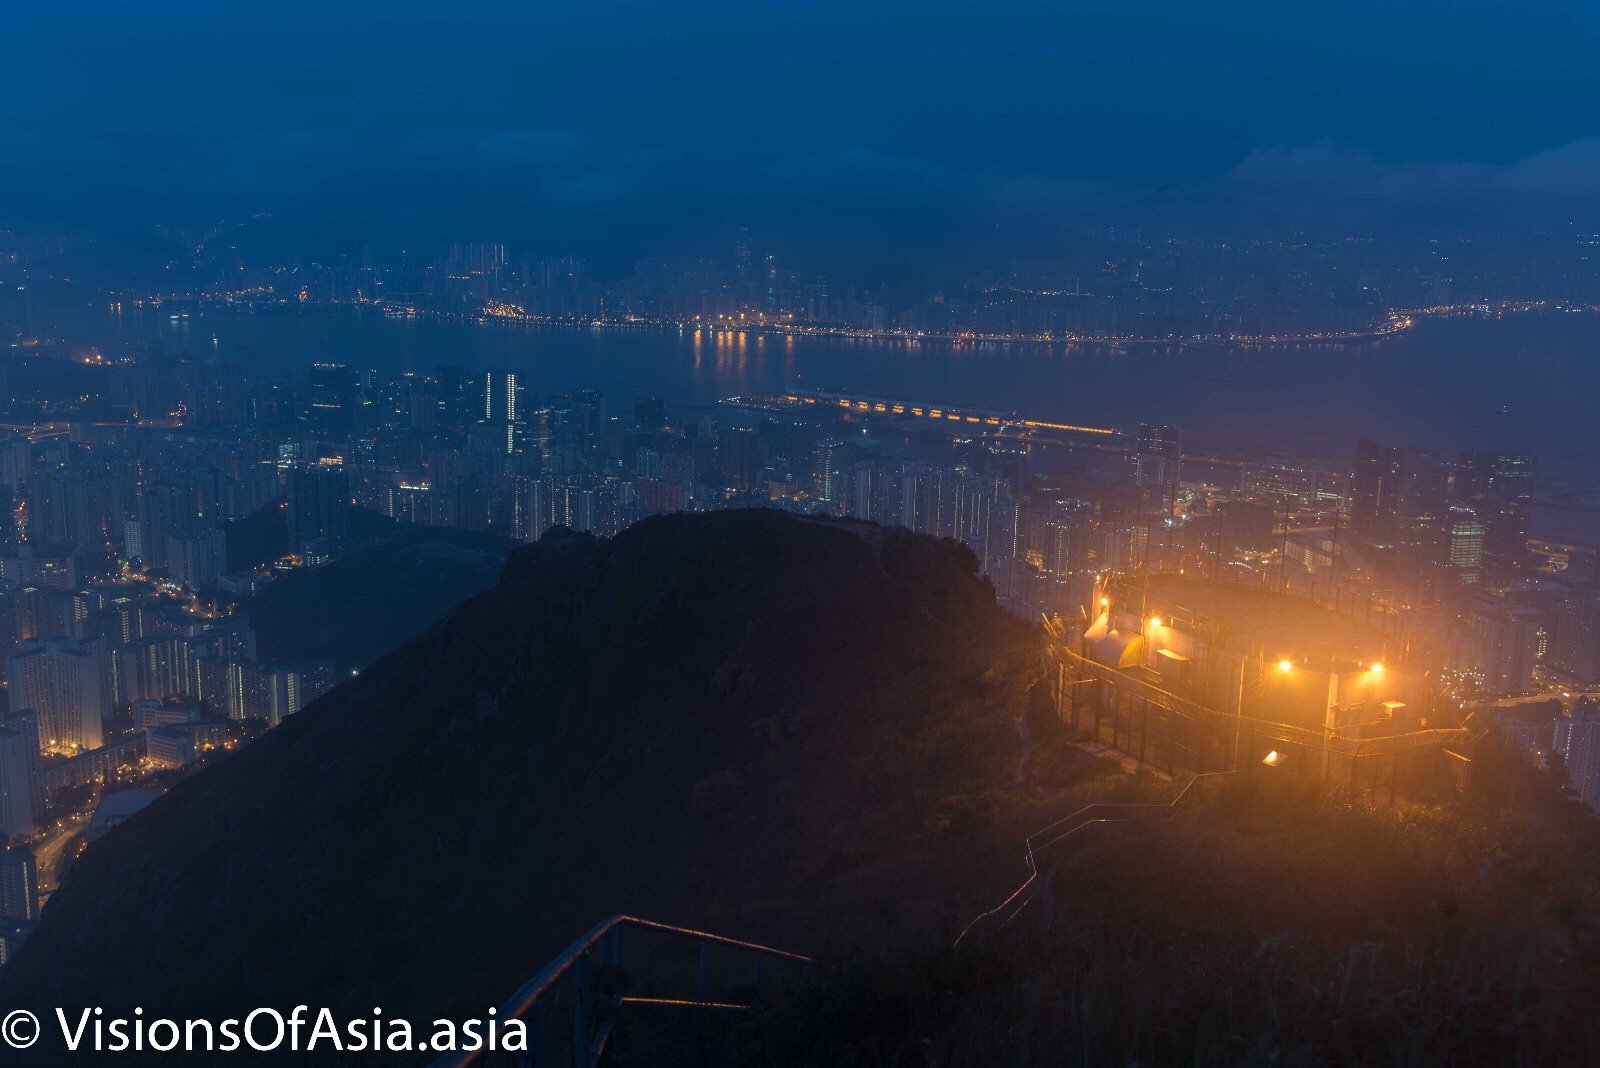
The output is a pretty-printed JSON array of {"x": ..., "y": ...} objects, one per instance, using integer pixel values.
[
  {"x": 1129, "y": 288},
  {"x": 115, "y": 671},
  {"x": 115, "y": 589},
  {"x": 1438, "y": 545},
  {"x": 123, "y": 536}
]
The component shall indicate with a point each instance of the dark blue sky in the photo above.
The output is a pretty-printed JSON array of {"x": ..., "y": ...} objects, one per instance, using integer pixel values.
[{"x": 606, "y": 117}]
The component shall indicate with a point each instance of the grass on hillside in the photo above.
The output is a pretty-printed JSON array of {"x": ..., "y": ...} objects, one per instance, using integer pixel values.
[{"x": 1276, "y": 922}]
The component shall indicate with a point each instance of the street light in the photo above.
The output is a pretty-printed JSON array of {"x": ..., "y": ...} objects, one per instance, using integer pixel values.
[
  {"x": 1285, "y": 666},
  {"x": 1376, "y": 669}
]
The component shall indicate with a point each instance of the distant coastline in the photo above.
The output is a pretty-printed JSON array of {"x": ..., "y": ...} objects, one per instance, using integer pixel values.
[{"x": 1398, "y": 321}]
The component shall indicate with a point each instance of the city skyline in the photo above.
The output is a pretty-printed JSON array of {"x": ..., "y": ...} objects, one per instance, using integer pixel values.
[{"x": 615, "y": 534}]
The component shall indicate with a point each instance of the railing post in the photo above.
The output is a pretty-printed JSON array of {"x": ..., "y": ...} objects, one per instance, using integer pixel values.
[{"x": 580, "y": 1012}]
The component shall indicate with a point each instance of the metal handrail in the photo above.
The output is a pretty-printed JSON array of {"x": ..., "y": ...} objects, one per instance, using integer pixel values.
[
  {"x": 1383, "y": 745},
  {"x": 1101, "y": 812},
  {"x": 588, "y": 1044}
]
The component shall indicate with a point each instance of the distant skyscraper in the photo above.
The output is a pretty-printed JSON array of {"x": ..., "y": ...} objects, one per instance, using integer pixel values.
[
  {"x": 1508, "y": 475},
  {"x": 25, "y": 722},
  {"x": 476, "y": 259},
  {"x": 304, "y": 683},
  {"x": 19, "y": 886},
  {"x": 738, "y": 458},
  {"x": 504, "y": 408},
  {"x": 1577, "y": 739},
  {"x": 830, "y": 462},
  {"x": 650, "y": 413},
  {"x": 196, "y": 563},
  {"x": 1500, "y": 487},
  {"x": 592, "y": 406},
  {"x": 16, "y": 309},
  {"x": 1372, "y": 491},
  {"x": 1465, "y": 544},
  {"x": 1515, "y": 474},
  {"x": 868, "y": 488},
  {"x": 1422, "y": 508},
  {"x": 1400, "y": 496},
  {"x": 1574, "y": 646},
  {"x": 741, "y": 257},
  {"x": 59, "y": 678},
  {"x": 18, "y": 777},
  {"x": 1067, "y": 528},
  {"x": 1503, "y": 645},
  {"x": 504, "y": 397},
  {"x": 319, "y": 505},
  {"x": 910, "y": 496},
  {"x": 1158, "y": 451},
  {"x": 332, "y": 402}
]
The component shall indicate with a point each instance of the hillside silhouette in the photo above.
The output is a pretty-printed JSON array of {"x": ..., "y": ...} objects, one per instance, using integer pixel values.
[
  {"x": 826, "y": 736},
  {"x": 794, "y": 730}
]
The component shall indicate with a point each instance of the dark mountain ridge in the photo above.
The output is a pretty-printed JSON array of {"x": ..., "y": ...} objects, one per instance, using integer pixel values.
[{"x": 779, "y": 727}]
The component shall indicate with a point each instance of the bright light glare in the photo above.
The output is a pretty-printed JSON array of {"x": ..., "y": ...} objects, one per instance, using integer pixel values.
[
  {"x": 1376, "y": 669},
  {"x": 1155, "y": 621},
  {"x": 1284, "y": 665}
]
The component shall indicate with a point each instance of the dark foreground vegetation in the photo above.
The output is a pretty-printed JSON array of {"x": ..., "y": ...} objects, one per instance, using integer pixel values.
[
  {"x": 794, "y": 731},
  {"x": 806, "y": 733},
  {"x": 1273, "y": 923}
]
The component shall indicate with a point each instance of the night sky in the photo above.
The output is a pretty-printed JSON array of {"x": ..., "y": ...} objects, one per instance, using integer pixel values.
[{"x": 627, "y": 121}]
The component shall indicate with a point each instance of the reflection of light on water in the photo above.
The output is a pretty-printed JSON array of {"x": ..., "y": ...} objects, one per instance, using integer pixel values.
[{"x": 1548, "y": 375}]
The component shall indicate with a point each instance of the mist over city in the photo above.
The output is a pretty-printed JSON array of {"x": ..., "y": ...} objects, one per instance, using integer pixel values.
[{"x": 709, "y": 534}]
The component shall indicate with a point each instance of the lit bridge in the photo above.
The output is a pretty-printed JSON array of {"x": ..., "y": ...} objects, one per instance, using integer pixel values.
[{"x": 951, "y": 416}]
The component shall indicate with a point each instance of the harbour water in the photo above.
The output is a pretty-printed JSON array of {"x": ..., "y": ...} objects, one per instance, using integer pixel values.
[{"x": 1526, "y": 380}]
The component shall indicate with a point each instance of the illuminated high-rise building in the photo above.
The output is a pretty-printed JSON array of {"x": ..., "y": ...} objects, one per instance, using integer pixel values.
[
  {"x": 1506, "y": 475},
  {"x": 60, "y": 680},
  {"x": 830, "y": 463},
  {"x": 504, "y": 397},
  {"x": 1465, "y": 549},
  {"x": 304, "y": 683},
  {"x": 504, "y": 406},
  {"x": 868, "y": 488}
]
